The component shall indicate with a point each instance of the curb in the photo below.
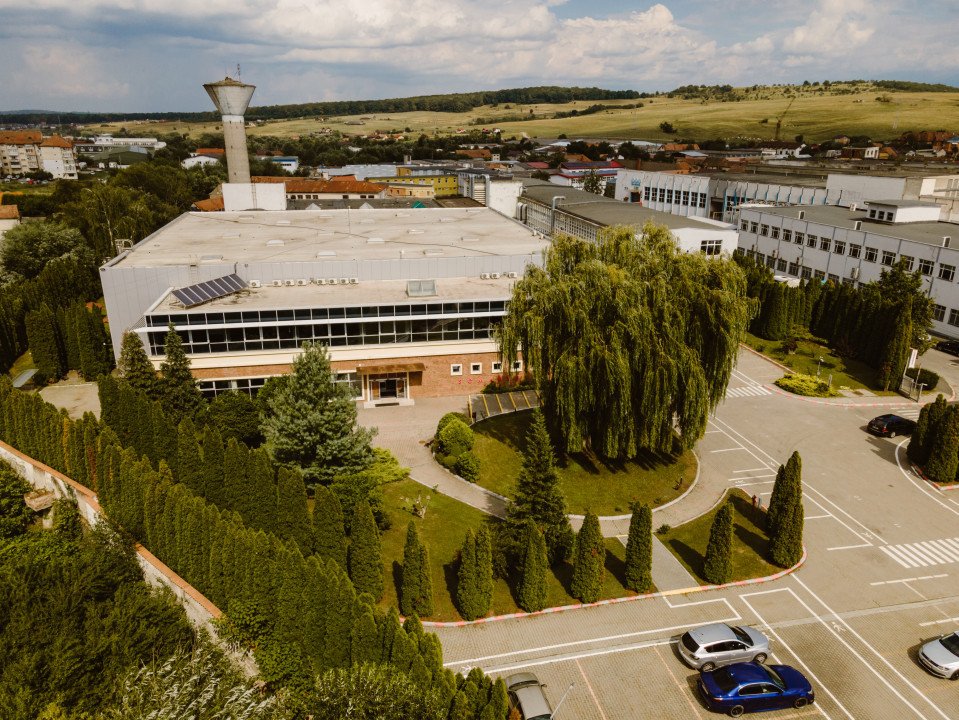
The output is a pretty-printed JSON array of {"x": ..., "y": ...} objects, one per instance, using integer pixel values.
[
  {"x": 936, "y": 486},
  {"x": 616, "y": 601}
]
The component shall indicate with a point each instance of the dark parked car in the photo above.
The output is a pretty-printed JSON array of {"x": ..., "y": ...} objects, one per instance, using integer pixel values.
[
  {"x": 890, "y": 426},
  {"x": 948, "y": 346},
  {"x": 753, "y": 687}
]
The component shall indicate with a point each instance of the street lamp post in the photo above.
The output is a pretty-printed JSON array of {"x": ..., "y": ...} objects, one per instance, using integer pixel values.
[
  {"x": 818, "y": 366},
  {"x": 919, "y": 396},
  {"x": 553, "y": 715},
  {"x": 552, "y": 216}
]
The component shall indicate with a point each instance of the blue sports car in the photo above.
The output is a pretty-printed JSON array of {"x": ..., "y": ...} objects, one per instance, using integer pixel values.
[{"x": 754, "y": 687}]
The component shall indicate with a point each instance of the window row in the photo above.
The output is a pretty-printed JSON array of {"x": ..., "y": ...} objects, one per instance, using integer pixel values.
[
  {"x": 251, "y": 386},
  {"x": 711, "y": 247},
  {"x": 244, "y": 339},
  {"x": 331, "y": 313},
  {"x": 477, "y": 368},
  {"x": 674, "y": 197}
]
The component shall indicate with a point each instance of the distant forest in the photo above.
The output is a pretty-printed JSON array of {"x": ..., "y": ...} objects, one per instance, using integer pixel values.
[{"x": 454, "y": 102}]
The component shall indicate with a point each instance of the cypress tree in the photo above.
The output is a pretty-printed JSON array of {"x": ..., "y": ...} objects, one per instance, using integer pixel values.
[
  {"x": 328, "y": 527},
  {"x": 423, "y": 604},
  {"x": 189, "y": 464},
  {"x": 363, "y": 639},
  {"x": 339, "y": 622},
  {"x": 264, "y": 574},
  {"x": 531, "y": 593},
  {"x": 718, "y": 567},
  {"x": 88, "y": 340},
  {"x": 177, "y": 386},
  {"x": 930, "y": 417},
  {"x": 944, "y": 448},
  {"x": 892, "y": 363},
  {"x": 410, "y": 590},
  {"x": 484, "y": 572},
  {"x": 786, "y": 548},
  {"x": 164, "y": 436},
  {"x": 143, "y": 434},
  {"x": 236, "y": 460},
  {"x": 213, "y": 465},
  {"x": 260, "y": 508},
  {"x": 588, "y": 561},
  {"x": 466, "y": 578},
  {"x": 67, "y": 332},
  {"x": 538, "y": 496},
  {"x": 135, "y": 366},
  {"x": 498, "y": 705},
  {"x": 365, "y": 558},
  {"x": 42, "y": 339},
  {"x": 777, "y": 501},
  {"x": 639, "y": 550},
  {"x": 292, "y": 514}
]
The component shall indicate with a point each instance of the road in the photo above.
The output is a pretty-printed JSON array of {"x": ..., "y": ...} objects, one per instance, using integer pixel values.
[{"x": 880, "y": 579}]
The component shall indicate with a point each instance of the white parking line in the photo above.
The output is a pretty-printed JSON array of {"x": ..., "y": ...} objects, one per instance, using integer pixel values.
[
  {"x": 849, "y": 547},
  {"x": 939, "y": 622},
  {"x": 950, "y": 505},
  {"x": 908, "y": 580},
  {"x": 580, "y": 656},
  {"x": 763, "y": 469},
  {"x": 816, "y": 517},
  {"x": 727, "y": 450}
]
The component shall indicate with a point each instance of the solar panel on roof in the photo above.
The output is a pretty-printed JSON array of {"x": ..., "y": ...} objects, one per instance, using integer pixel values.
[{"x": 209, "y": 290}]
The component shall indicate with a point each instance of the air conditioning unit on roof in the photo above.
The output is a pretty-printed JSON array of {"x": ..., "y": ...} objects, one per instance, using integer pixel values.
[
  {"x": 344, "y": 281},
  {"x": 333, "y": 281},
  {"x": 289, "y": 282},
  {"x": 254, "y": 283},
  {"x": 512, "y": 274},
  {"x": 303, "y": 282},
  {"x": 484, "y": 276},
  {"x": 494, "y": 276},
  {"x": 276, "y": 283},
  {"x": 354, "y": 281},
  {"x": 320, "y": 281}
]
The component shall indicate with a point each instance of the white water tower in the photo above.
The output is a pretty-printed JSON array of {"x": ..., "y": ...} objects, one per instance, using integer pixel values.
[{"x": 232, "y": 98}]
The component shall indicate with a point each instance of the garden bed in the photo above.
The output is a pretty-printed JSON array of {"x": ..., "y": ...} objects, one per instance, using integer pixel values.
[{"x": 606, "y": 488}]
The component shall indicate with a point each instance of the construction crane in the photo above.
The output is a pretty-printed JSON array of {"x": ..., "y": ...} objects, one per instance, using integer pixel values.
[{"x": 779, "y": 120}]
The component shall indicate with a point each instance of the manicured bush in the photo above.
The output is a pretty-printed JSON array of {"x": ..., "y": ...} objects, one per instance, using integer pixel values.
[
  {"x": 589, "y": 561},
  {"x": 927, "y": 377},
  {"x": 531, "y": 594},
  {"x": 639, "y": 550},
  {"x": 448, "y": 418},
  {"x": 808, "y": 385},
  {"x": 456, "y": 438},
  {"x": 718, "y": 566},
  {"x": 468, "y": 466}
]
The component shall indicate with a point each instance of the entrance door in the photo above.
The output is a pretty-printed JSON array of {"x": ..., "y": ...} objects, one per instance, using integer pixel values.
[{"x": 387, "y": 388}]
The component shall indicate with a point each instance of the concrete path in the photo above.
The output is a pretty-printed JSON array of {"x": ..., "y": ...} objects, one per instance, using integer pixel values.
[{"x": 668, "y": 572}]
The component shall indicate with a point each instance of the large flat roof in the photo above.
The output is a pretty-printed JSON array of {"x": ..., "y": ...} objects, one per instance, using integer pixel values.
[
  {"x": 333, "y": 234},
  {"x": 606, "y": 211},
  {"x": 929, "y": 233}
]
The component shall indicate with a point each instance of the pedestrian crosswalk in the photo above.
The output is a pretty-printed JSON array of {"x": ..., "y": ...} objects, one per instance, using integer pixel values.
[
  {"x": 748, "y": 391},
  {"x": 923, "y": 554}
]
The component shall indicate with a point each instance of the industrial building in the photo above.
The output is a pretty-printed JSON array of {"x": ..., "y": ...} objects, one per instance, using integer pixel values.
[
  {"x": 853, "y": 245},
  {"x": 406, "y": 300}
]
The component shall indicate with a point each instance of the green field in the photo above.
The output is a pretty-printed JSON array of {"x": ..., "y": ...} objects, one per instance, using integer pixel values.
[{"x": 816, "y": 115}]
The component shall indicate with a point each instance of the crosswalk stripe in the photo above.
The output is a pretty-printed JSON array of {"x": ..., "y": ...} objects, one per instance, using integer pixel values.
[
  {"x": 907, "y": 551},
  {"x": 949, "y": 545},
  {"x": 748, "y": 391},
  {"x": 936, "y": 554},
  {"x": 924, "y": 553},
  {"x": 904, "y": 563}
]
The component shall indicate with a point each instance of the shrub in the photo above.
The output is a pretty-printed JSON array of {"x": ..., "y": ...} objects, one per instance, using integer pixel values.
[
  {"x": 788, "y": 345},
  {"x": 456, "y": 438},
  {"x": 808, "y": 385},
  {"x": 508, "y": 383},
  {"x": 468, "y": 466},
  {"x": 927, "y": 377},
  {"x": 447, "y": 461},
  {"x": 448, "y": 418}
]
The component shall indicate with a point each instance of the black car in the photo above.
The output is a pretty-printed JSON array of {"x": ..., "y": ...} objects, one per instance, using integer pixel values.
[
  {"x": 890, "y": 426},
  {"x": 948, "y": 346}
]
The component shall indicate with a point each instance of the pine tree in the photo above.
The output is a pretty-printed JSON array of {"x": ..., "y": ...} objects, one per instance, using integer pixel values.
[
  {"x": 292, "y": 514},
  {"x": 944, "y": 448},
  {"x": 930, "y": 417},
  {"x": 42, "y": 339},
  {"x": 259, "y": 509},
  {"x": 365, "y": 558},
  {"x": 639, "y": 550},
  {"x": 189, "y": 464},
  {"x": 236, "y": 461},
  {"x": 213, "y": 459},
  {"x": 588, "y": 560},
  {"x": 777, "y": 501},
  {"x": 531, "y": 593},
  {"x": 410, "y": 590},
  {"x": 484, "y": 572},
  {"x": 423, "y": 605},
  {"x": 538, "y": 496},
  {"x": 718, "y": 568},
  {"x": 109, "y": 396},
  {"x": 328, "y": 527},
  {"x": 177, "y": 387},
  {"x": 892, "y": 363},
  {"x": 466, "y": 578},
  {"x": 311, "y": 421},
  {"x": 67, "y": 332},
  {"x": 89, "y": 340},
  {"x": 787, "y": 548},
  {"x": 135, "y": 367}
]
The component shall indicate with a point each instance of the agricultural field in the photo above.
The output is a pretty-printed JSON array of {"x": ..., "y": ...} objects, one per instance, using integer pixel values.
[{"x": 817, "y": 115}]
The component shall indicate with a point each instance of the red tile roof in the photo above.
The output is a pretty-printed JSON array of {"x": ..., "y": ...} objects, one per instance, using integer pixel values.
[
  {"x": 20, "y": 137},
  {"x": 56, "y": 141},
  {"x": 484, "y": 153},
  {"x": 9, "y": 212},
  {"x": 210, "y": 151},
  {"x": 298, "y": 185},
  {"x": 211, "y": 205}
]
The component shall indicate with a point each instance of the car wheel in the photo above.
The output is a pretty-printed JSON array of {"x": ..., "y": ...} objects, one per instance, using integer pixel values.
[
  {"x": 892, "y": 434},
  {"x": 801, "y": 702},
  {"x": 706, "y": 667},
  {"x": 760, "y": 658},
  {"x": 955, "y": 675},
  {"x": 736, "y": 711}
]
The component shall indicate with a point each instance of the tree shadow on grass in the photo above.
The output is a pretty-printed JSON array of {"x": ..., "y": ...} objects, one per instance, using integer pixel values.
[
  {"x": 692, "y": 557},
  {"x": 753, "y": 540},
  {"x": 616, "y": 567},
  {"x": 564, "y": 573},
  {"x": 509, "y": 429},
  {"x": 450, "y": 573},
  {"x": 398, "y": 578}
]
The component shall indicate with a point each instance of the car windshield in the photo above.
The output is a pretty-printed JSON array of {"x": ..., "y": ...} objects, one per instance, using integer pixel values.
[
  {"x": 775, "y": 677},
  {"x": 742, "y": 635},
  {"x": 690, "y": 644},
  {"x": 724, "y": 680},
  {"x": 951, "y": 643}
]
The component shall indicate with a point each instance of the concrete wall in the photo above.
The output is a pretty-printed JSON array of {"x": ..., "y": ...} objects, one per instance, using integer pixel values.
[{"x": 200, "y": 610}]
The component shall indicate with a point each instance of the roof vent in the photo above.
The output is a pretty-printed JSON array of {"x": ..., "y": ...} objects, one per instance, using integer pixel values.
[
  {"x": 946, "y": 240},
  {"x": 275, "y": 242},
  {"x": 802, "y": 214},
  {"x": 282, "y": 222},
  {"x": 415, "y": 231},
  {"x": 231, "y": 235},
  {"x": 326, "y": 253},
  {"x": 420, "y": 288},
  {"x": 852, "y": 207},
  {"x": 210, "y": 258},
  {"x": 375, "y": 241},
  {"x": 433, "y": 251},
  {"x": 858, "y": 224},
  {"x": 470, "y": 238}
]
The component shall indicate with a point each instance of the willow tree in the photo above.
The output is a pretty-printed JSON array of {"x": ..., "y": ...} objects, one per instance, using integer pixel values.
[{"x": 626, "y": 334}]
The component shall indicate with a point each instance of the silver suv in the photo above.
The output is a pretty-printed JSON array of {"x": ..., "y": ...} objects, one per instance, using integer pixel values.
[
  {"x": 710, "y": 646},
  {"x": 526, "y": 695}
]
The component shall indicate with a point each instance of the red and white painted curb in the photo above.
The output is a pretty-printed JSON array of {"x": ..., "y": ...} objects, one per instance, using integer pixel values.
[
  {"x": 616, "y": 601},
  {"x": 937, "y": 486}
]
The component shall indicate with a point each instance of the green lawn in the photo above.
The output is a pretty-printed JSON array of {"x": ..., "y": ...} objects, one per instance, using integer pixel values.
[
  {"x": 443, "y": 530},
  {"x": 846, "y": 372},
  {"x": 588, "y": 483},
  {"x": 750, "y": 544}
]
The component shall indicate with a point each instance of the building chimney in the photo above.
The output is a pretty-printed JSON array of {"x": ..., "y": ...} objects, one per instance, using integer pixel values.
[{"x": 231, "y": 98}]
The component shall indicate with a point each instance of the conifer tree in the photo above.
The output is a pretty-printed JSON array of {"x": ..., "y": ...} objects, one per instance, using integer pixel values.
[
  {"x": 259, "y": 509},
  {"x": 466, "y": 578},
  {"x": 930, "y": 419},
  {"x": 189, "y": 463},
  {"x": 423, "y": 605},
  {"x": 588, "y": 560},
  {"x": 213, "y": 459},
  {"x": 639, "y": 550},
  {"x": 135, "y": 367},
  {"x": 410, "y": 590},
  {"x": 892, "y": 363},
  {"x": 89, "y": 341},
  {"x": 538, "y": 496},
  {"x": 311, "y": 421},
  {"x": 717, "y": 568},
  {"x": 236, "y": 460},
  {"x": 292, "y": 514},
  {"x": 365, "y": 558},
  {"x": 66, "y": 329},
  {"x": 164, "y": 436},
  {"x": 944, "y": 448},
  {"x": 363, "y": 639},
  {"x": 328, "y": 526},
  {"x": 786, "y": 547},
  {"x": 42, "y": 340},
  {"x": 484, "y": 572},
  {"x": 177, "y": 387},
  {"x": 778, "y": 501},
  {"x": 531, "y": 594}
]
